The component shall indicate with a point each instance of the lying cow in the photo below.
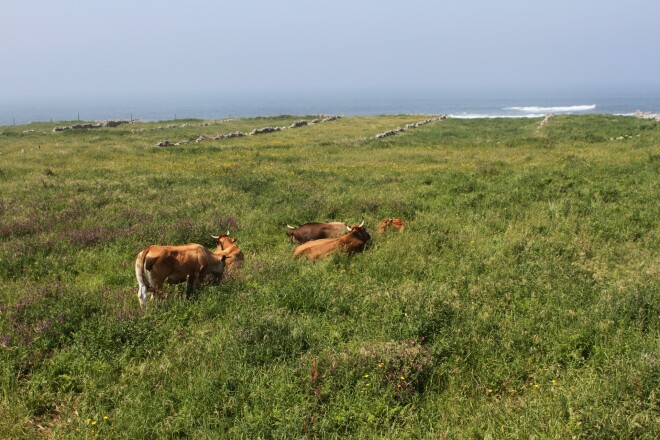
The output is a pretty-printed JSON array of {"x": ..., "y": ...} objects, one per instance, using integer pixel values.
[
  {"x": 394, "y": 223},
  {"x": 227, "y": 246},
  {"x": 175, "y": 264},
  {"x": 315, "y": 231},
  {"x": 353, "y": 241}
]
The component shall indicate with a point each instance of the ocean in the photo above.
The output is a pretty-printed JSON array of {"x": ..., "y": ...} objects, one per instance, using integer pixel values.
[{"x": 465, "y": 104}]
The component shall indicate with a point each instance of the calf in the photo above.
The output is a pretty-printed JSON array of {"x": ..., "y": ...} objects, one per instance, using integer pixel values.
[
  {"x": 174, "y": 264},
  {"x": 394, "y": 223},
  {"x": 353, "y": 241}
]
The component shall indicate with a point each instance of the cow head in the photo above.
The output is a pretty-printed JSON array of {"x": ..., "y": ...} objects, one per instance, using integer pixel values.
[
  {"x": 222, "y": 241},
  {"x": 358, "y": 231},
  {"x": 290, "y": 232}
]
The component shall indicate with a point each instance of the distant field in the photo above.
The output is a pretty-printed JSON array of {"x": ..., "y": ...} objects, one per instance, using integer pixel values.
[{"x": 522, "y": 300}]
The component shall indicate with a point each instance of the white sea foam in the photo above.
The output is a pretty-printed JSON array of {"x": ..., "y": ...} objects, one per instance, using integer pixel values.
[
  {"x": 493, "y": 116},
  {"x": 558, "y": 109}
]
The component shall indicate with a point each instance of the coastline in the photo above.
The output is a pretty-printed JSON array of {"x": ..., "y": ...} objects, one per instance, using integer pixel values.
[{"x": 222, "y": 106}]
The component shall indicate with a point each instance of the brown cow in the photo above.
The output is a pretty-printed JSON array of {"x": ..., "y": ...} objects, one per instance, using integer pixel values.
[
  {"x": 315, "y": 231},
  {"x": 394, "y": 223},
  {"x": 227, "y": 246},
  {"x": 176, "y": 264},
  {"x": 353, "y": 241}
]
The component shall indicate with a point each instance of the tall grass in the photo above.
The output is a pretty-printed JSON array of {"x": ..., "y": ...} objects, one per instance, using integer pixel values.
[{"x": 521, "y": 301}]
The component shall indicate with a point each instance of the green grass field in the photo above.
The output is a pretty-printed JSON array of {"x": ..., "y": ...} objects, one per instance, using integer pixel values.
[{"x": 522, "y": 300}]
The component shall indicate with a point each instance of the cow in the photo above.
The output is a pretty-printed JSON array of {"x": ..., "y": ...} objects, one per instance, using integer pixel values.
[
  {"x": 174, "y": 264},
  {"x": 315, "y": 231},
  {"x": 394, "y": 223},
  {"x": 351, "y": 242},
  {"x": 227, "y": 246}
]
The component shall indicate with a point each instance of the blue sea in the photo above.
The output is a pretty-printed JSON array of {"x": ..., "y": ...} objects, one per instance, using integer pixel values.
[{"x": 457, "y": 104}]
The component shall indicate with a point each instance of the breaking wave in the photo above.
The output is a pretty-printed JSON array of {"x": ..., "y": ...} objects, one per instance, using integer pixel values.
[
  {"x": 492, "y": 116},
  {"x": 565, "y": 109}
]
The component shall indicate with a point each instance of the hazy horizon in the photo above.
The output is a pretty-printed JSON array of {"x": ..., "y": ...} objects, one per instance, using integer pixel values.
[{"x": 122, "y": 49}]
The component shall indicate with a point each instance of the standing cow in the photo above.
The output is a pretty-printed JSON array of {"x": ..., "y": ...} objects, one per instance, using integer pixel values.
[
  {"x": 315, "y": 231},
  {"x": 174, "y": 264},
  {"x": 354, "y": 241}
]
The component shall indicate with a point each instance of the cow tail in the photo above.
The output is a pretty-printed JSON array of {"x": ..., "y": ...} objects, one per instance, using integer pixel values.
[{"x": 139, "y": 274}]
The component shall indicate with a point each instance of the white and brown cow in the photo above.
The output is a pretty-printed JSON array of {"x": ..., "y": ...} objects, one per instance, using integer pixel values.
[{"x": 175, "y": 264}]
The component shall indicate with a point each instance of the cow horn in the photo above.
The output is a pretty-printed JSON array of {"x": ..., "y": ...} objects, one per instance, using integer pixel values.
[
  {"x": 348, "y": 228},
  {"x": 215, "y": 236},
  {"x": 361, "y": 224},
  {"x": 228, "y": 232},
  {"x": 290, "y": 227}
]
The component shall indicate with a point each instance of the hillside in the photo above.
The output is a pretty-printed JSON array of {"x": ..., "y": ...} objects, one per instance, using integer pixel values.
[{"x": 522, "y": 299}]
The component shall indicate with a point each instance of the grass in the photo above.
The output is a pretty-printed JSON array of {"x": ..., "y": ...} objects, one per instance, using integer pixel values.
[{"x": 521, "y": 301}]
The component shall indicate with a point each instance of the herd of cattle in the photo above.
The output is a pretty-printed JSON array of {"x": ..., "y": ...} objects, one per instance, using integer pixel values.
[{"x": 193, "y": 263}]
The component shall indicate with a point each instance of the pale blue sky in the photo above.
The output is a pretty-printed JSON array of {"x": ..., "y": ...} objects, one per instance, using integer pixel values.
[{"x": 89, "y": 48}]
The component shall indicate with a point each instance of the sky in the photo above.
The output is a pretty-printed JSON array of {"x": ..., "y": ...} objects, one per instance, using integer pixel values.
[{"x": 122, "y": 48}]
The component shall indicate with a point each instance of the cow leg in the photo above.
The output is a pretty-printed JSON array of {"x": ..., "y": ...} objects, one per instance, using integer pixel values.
[
  {"x": 192, "y": 278},
  {"x": 159, "y": 291}
]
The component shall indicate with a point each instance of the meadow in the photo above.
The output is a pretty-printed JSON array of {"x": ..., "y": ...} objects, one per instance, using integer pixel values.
[{"x": 521, "y": 301}]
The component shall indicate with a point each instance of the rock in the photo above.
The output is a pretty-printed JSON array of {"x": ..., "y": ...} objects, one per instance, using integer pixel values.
[
  {"x": 164, "y": 144},
  {"x": 389, "y": 133},
  {"x": 235, "y": 134},
  {"x": 410, "y": 126},
  {"x": 101, "y": 124},
  {"x": 297, "y": 124},
  {"x": 264, "y": 130},
  {"x": 544, "y": 121},
  {"x": 646, "y": 115}
]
